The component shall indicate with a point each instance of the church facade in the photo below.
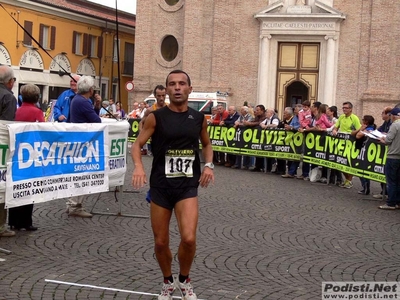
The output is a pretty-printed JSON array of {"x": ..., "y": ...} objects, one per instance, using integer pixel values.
[{"x": 276, "y": 53}]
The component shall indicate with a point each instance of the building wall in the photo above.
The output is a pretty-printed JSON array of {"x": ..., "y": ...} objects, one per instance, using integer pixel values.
[
  {"x": 104, "y": 68},
  {"x": 220, "y": 42}
]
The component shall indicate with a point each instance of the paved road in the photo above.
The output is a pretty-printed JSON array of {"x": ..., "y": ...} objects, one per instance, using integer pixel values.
[{"x": 260, "y": 237}]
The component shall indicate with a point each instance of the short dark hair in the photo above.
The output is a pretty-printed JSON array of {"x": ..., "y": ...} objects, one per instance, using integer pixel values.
[
  {"x": 158, "y": 87},
  {"x": 348, "y": 103},
  {"x": 179, "y": 72},
  {"x": 317, "y": 104},
  {"x": 262, "y": 107},
  {"x": 306, "y": 103}
]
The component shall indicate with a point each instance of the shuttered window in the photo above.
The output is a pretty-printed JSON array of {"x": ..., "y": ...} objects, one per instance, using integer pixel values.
[{"x": 28, "y": 25}]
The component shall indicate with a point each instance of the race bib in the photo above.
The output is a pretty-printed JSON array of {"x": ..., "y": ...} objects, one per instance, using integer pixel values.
[{"x": 179, "y": 163}]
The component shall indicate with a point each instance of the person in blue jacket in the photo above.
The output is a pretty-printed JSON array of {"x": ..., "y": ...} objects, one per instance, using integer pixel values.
[{"x": 61, "y": 108}]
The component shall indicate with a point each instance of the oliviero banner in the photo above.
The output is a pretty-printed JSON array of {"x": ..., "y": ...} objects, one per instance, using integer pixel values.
[
  {"x": 343, "y": 152},
  {"x": 47, "y": 161}
]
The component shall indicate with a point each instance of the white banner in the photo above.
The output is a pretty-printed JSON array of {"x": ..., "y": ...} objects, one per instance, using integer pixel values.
[
  {"x": 41, "y": 166},
  {"x": 117, "y": 141},
  {"x": 49, "y": 161}
]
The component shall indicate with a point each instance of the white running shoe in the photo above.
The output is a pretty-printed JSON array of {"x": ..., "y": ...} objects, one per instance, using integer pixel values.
[
  {"x": 186, "y": 289},
  {"x": 167, "y": 291}
]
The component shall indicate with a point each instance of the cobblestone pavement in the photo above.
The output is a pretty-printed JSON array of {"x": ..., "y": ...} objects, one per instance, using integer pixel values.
[{"x": 260, "y": 236}]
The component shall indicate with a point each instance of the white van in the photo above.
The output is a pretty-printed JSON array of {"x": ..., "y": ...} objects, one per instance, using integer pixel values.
[{"x": 199, "y": 101}]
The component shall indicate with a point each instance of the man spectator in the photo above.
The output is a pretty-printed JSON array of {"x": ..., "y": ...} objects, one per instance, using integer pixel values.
[
  {"x": 159, "y": 92},
  {"x": 294, "y": 123},
  {"x": 230, "y": 121},
  {"x": 63, "y": 103},
  {"x": 244, "y": 116},
  {"x": 135, "y": 111},
  {"x": 103, "y": 111},
  {"x": 347, "y": 123},
  {"x": 259, "y": 117},
  {"x": 285, "y": 123},
  {"x": 392, "y": 166},
  {"x": 384, "y": 128},
  {"x": 271, "y": 121},
  {"x": 82, "y": 111},
  {"x": 8, "y": 106}
]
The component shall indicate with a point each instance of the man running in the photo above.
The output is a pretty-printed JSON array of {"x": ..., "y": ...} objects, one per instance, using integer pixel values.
[{"x": 175, "y": 131}]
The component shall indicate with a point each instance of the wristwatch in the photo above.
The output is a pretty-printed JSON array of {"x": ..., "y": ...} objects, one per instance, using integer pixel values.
[{"x": 209, "y": 165}]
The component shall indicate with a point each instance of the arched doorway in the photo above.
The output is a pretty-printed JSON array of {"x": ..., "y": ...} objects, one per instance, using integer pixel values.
[{"x": 296, "y": 93}]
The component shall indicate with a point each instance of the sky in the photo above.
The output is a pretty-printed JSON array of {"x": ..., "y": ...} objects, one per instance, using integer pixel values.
[{"x": 125, "y": 5}]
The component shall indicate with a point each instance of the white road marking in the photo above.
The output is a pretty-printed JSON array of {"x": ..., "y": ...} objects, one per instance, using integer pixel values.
[{"x": 104, "y": 288}]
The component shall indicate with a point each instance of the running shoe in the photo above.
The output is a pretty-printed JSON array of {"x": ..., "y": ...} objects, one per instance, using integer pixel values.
[
  {"x": 186, "y": 289},
  {"x": 167, "y": 291}
]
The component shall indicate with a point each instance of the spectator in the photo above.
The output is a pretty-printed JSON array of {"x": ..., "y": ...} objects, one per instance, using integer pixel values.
[
  {"x": 305, "y": 115},
  {"x": 348, "y": 123},
  {"x": 120, "y": 111},
  {"x": 271, "y": 121},
  {"x": 368, "y": 125},
  {"x": 82, "y": 111},
  {"x": 321, "y": 119},
  {"x": 8, "y": 106},
  {"x": 21, "y": 217},
  {"x": 288, "y": 116},
  {"x": 135, "y": 111},
  {"x": 392, "y": 166},
  {"x": 63, "y": 103},
  {"x": 384, "y": 128},
  {"x": 230, "y": 121},
  {"x": 221, "y": 115},
  {"x": 112, "y": 108},
  {"x": 335, "y": 175},
  {"x": 244, "y": 116},
  {"x": 332, "y": 115},
  {"x": 103, "y": 111},
  {"x": 294, "y": 123},
  {"x": 260, "y": 116}
]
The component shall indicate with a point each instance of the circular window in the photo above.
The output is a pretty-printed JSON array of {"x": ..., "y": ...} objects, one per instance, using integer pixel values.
[
  {"x": 171, "y": 2},
  {"x": 169, "y": 48}
]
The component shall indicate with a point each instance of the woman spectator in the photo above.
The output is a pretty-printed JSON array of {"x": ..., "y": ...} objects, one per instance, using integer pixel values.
[
  {"x": 21, "y": 217},
  {"x": 332, "y": 114},
  {"x": 120, "y": 111},
  {"x": 368, "y": 124}
]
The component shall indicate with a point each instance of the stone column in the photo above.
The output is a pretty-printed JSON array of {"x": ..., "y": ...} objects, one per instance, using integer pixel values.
[
  {"x": 263, "y": 72},
  {"x": 330, "y": 70}
]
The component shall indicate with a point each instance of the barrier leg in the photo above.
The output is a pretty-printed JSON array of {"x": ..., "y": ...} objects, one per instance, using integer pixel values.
[{"x": 119, "y": 213}]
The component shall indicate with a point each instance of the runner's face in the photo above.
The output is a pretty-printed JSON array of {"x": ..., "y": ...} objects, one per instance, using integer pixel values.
[
  {"x": 178, "y": 88},
  {"x": 160, "y": 96}
]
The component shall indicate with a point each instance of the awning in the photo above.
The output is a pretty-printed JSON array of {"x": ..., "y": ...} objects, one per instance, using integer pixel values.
[
  {"x": 57, "y": 80},
  {"x": 38, "y": 78}
]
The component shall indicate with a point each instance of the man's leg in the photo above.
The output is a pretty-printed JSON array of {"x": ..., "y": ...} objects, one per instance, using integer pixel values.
[
  {"x": 160, "y": 218},
  {"x": 187, "y": 215},
  {"x": 4, "y": 232}
]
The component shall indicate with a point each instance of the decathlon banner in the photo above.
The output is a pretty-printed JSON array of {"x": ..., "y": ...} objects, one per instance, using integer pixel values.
[
  {"x": 277, "y": 143},
  {"x": 343, "y": 152},
  {"x": 55, "y": 160},
  {"x": 117, "y": 141}
]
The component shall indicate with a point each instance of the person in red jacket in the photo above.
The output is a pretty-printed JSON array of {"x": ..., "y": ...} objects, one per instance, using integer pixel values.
[{"x": 219, "y": 117}]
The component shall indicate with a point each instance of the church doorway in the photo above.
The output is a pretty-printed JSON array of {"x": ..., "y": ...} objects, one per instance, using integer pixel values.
[{"x": 298, "y": 73}]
